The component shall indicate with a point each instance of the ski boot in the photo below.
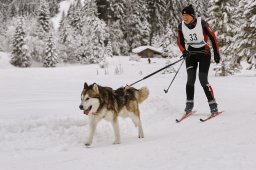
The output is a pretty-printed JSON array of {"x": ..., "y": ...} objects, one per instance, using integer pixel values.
[
  {"x": 213, "y": 106},
  {"x": 189, "y": 106}
]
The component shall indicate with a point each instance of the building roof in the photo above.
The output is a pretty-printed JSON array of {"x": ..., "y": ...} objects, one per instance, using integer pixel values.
[{"x": 142, "y": 48}]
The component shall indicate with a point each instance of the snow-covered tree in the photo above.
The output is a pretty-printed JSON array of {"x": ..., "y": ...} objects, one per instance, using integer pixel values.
[
  {"x": 174, "y": 13},
  {"x": 118, "y": 10},
  {"x": 68, "y": 39},
  {"x": 116, "y": 26},
  {"x": 245, "y": 41},
  {"x": 50, "y": 58},
  {"x": 2, "y": 31},
  {"x": 201, "y": 7},
  {"x": 44, "y": 15},
  {"x": 53, "y": 7},
  {"x": 39, "y": 31},
  {"x": 158, "y": 16},
  {"x": 137, "y": 14},
  {"x": 76, "y": 16},
  {"x": 109, "y": 51},
  {"x": 224, "y": 24},
  {"x": 166, "y": 43},
  {"x": 93, "y": 34},
  {"x": 119, "y": 44},
  {"x": 20, "y": 55},
  {"x": 13, "y": 11}
]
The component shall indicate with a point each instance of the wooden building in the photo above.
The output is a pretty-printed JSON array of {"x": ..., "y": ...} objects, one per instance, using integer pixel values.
[{"x": 147, "y": 51}]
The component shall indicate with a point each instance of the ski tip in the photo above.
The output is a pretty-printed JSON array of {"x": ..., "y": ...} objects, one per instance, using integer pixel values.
[
  {"x": 177, "y": 121},
  {"x": 202, "y": 120}
]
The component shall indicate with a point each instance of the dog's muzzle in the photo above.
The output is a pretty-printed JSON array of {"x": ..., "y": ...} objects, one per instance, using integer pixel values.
[{"x": 87, "y": 111}]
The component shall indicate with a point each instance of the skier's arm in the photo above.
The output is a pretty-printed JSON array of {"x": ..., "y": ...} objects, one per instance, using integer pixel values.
[
  {"x": 180, "y": 39},
  {"x": 213, "y": 38}
]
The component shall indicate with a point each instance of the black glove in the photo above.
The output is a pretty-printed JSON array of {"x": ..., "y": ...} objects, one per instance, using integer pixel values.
[
  {"x": 217, "y": 58},
  {"x": 185, "y": 54}
]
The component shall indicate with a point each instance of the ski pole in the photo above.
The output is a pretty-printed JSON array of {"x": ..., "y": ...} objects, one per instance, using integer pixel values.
[
  {"x": 166, "y": 91},
  {"x": 157, "y": 71}
]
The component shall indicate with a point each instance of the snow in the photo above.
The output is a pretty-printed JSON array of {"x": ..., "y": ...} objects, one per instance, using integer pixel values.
[
  {"x": 5, "y": 60},
  {"x": 41, "y": 126}
]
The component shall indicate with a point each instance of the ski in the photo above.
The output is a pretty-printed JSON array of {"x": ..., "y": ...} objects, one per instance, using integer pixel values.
[
  {"x": 211, "y": 116},
  {"x": 185, "y": 116}
]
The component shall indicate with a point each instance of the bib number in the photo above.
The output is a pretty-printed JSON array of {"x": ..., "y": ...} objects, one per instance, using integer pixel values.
[{"x": 193, "y": 37}]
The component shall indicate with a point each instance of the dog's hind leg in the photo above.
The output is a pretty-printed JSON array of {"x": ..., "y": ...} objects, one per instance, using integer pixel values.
[{"x": 116, "y": 131}]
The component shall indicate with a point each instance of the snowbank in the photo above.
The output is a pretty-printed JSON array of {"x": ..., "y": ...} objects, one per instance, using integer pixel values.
[{"x": 5, "y": 60}]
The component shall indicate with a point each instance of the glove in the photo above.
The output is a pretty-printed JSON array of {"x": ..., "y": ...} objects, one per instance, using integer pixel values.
[
  {"x": 217, "y": 58},
  {"x": 185, "y": 54}
]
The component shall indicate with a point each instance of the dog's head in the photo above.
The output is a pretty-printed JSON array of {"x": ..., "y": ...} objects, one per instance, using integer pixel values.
[{"x": 90, "y": 99}]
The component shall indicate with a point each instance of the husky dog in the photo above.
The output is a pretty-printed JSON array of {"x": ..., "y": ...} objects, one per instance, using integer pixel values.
[{"x": 105, "y": 103}]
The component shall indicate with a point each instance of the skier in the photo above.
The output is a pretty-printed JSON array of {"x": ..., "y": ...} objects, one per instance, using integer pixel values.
[{"x": 193, "y": 34}]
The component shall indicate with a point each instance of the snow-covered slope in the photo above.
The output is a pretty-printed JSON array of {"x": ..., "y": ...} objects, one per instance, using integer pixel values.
[
  {"x": 64, "y": 6},
  {"x": 41, "y": 126}
]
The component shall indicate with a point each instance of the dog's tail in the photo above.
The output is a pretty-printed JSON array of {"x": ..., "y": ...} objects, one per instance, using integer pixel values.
[{"x": 142, "y": 94}]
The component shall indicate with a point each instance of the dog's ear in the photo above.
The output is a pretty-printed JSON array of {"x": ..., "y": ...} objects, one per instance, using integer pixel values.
[
  {"x": 95, "y": 88},
  {"x": 85, "y": 85}
]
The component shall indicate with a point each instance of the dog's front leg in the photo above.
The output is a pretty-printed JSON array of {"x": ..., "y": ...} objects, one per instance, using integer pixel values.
[
  {"x": 116, "y": 131},
  {"x": 93, "y": 125}
]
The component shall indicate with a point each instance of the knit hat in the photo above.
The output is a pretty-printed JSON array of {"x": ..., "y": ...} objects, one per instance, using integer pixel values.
[{"x": 189, "y": 10}]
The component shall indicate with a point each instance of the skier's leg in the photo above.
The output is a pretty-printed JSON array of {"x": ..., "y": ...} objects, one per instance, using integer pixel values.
[
  {"x": 191, "y": 66},
  {"x": 204, "y": 65}
]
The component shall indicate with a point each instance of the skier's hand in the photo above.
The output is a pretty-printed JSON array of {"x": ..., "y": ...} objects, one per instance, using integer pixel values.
[
  {"x": 217, "y": 58},
  {"x": 185, "y": 54}
]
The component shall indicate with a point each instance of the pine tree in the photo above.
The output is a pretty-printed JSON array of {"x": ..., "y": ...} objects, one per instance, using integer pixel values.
[
  {"x": 53, "y": 7},
  {"x": 51, "y": 58},
  {"x": 116, "y": 27},
  {"x": 104, "y": 9},
  {"x": 166, "y": 42},
  {"x": 137, "y": 14},
  {"x": 119, "y": 44},
  {"x": 3, "y": 28},
  {"x": 245, "y": 42},
  {"x": 19, "y": 55},
  {"x": 224, "y": 24},
  {"x": 109, "y": 49},
  {"x": 174, "y": 9},
  {"x": 44, "y": 15},
  {"x": 201, "y": 7},
  {"x": 158, "y": 16},
  {"x": 13, "y": 11},
  {"x": 62, "y": 20},
  {"x": 76, "y": 18},
  {"x": 118, "y": 10},
  {"x": 91, "y": 45},
  {"x": 40, "y": 32}
]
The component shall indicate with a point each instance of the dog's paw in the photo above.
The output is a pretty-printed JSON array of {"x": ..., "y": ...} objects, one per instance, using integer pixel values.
[
  {"x": 87, "y": 144},
  {"x": 116, "y": 142},
  {"x": 141, "y": 136}
]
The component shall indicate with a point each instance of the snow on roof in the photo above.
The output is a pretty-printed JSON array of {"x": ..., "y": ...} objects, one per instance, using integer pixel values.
[{"x": 142, "y": 48}]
